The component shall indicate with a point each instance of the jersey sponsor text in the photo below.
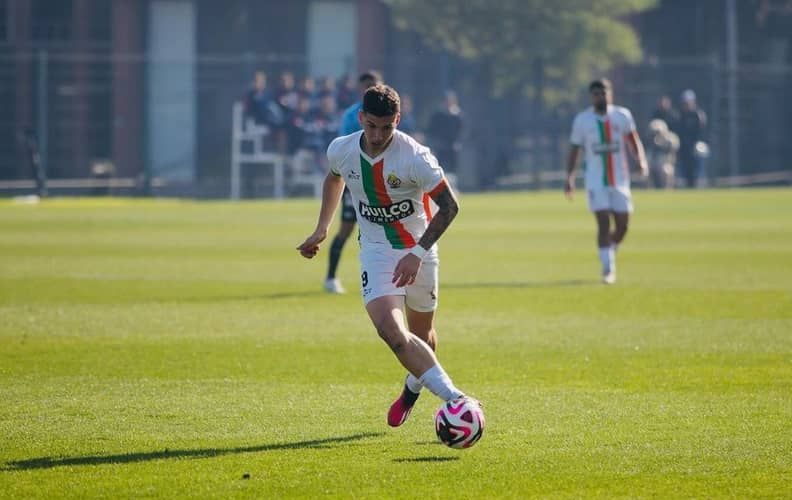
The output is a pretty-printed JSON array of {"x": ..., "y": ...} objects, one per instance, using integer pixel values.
[{"x": 387, "y": 214}]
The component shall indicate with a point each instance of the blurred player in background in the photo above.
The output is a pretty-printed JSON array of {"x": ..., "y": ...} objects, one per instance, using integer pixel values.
[
  {"x": 349, "y": 125},
  {"x": 605, "y": 133},
  {"x": 390, "y": 178}
]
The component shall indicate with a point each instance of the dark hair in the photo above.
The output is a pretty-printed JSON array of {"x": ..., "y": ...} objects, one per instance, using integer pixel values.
[
  {"x": 600, "y": 83},
  {"x": 381, "y": 100},
  {"x": 372, "y": 76}
]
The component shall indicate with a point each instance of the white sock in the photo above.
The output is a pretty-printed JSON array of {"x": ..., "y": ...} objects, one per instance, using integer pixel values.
[
  {"x": 607, "y": 258},
  {"x": 439, "y": 383},
  {"x": 413, "y": 384},
  {"x": 613, "y": 248}
]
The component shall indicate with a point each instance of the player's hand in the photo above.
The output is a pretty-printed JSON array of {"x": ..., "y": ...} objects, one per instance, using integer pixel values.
[
  {"x": 406, "y": 270},
  {"x": 644, "y": 167},
  {"x": 569, "y": 188},
  {"x": 310, "y": 247}
]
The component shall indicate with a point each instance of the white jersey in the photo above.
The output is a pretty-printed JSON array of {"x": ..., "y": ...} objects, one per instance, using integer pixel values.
[
  {"x": 391, "y": 191},
  {"x": 602, "y": 139}
]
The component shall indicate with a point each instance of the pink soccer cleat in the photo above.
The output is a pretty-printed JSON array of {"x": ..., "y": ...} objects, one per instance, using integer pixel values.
[{"x": 401, "y": 408}]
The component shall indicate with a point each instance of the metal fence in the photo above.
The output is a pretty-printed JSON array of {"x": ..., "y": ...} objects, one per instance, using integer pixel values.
[{"x": 128, "y": 116}]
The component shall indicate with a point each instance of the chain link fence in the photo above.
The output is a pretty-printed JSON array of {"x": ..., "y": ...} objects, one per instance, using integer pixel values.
[{"x": 157, "y": 124}]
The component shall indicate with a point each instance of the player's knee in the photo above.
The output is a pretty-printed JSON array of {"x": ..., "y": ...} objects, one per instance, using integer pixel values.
[{"x": 392, "y": 335}]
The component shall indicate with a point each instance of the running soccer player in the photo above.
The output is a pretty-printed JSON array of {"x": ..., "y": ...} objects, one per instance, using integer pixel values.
[
  {"x": 604, "y": 131},
  {"x": 349, "y": 124},
  {"x": 391, "y": 178}
]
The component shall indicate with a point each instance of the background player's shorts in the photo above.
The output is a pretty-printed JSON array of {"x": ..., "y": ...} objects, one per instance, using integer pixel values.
[
  {"x": 610, "y": 198},
  {"x": 376, "y": 272},
  {"x": 347, "y": 207}
]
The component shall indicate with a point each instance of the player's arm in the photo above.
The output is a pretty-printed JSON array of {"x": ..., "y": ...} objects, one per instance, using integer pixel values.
[
  {"x": 332, "y": 190},
  {"x": 571, "y": 167},
  {"x": 636, "y": 148},
  {"x": 447, "y": 210}
]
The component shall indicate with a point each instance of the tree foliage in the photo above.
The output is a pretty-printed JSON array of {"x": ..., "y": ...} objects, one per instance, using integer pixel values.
[{"x": 570, "y": 40}]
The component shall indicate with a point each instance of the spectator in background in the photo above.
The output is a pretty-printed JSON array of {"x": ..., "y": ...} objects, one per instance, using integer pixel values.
[
  {"x": 327, "y": 87},
  {"x": 661, "y": 149},
  {"x": 313, "y": 131},
  {"x": 260, "y": 109},
  {"x": 328, "y": 123},
  {"x": 307, "y": 89},
  {"x": 298, "y": 125},
  {"x": 286, "y": 94},
  {"x": 346, "y": 93},
  {"x": 407, "y": 123},
  {"x": 318, "y": 127},
  {"x": 445, "y": 131},
  {"x": 690, "y": 129},
  {"x": 665, "y": 111}
]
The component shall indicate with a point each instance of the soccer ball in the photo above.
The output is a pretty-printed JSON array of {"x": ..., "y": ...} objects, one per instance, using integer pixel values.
[{"x": 460, "y": 422}]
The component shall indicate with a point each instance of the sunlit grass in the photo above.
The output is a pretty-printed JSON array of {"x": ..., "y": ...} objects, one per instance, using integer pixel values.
[{"x": 178, "y": 349}]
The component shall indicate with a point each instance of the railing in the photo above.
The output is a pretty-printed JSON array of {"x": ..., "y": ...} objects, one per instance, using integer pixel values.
[{"x": 247, "y": 147}]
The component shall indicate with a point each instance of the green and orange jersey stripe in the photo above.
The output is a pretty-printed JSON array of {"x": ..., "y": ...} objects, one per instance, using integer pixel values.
[
  {"x": 608, "y": 176},
  {"x": 427, "y": 198},
  {"x": 377, "y": 194}
]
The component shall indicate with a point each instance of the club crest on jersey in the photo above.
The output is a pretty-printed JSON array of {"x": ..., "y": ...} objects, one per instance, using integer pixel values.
[
  {"x": 393, "y": 181},
  {"x": 387, "y": 214}
]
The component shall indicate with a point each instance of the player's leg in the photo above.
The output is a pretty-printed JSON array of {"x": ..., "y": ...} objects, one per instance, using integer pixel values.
[
  {"x": 599, "y": 202},
  {"x": 332, "y": 284},
  {"x": 422, "y": 325},
  {"x": 386, "y": 313},
  {"x": 604, "y": 247},
  {"x": 621, "y": 207},
  {"x": 421, "y": 303},
  {"x": 621, "y": 221}
]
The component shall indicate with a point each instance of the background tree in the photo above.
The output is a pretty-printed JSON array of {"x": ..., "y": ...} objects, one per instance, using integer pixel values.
[{"x": 545, "y": 49}]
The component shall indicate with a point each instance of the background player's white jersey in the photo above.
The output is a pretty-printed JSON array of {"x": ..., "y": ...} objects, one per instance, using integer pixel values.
[
  {"x": 389, "y": 191},
  {"x": 602, "y": 139}
]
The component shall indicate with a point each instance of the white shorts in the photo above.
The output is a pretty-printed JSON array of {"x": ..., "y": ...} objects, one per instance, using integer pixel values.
[
  {"x": 376, "y": 273},
  {"x": 610, "y": 198}
]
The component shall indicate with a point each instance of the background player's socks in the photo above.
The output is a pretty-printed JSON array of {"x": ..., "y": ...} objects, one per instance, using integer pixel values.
[
  {"x": 439, "y": 383},
  {"x": 413, "y": 384},
  {"x": 612, "y": 256},
  {"x": 335, "y": 256},
  {"x": 606, "y": 255}
]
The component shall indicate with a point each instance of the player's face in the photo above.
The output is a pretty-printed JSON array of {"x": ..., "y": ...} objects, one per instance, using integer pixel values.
[
  {"x": 378, "y": 130},
  {"x": 600, "y": 98}
]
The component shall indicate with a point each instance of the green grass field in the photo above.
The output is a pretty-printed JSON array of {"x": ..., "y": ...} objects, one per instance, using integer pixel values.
[{"x": 167, "y": 348}]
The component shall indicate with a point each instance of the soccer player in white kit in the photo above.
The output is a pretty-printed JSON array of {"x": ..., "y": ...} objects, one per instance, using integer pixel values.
[
  {"x": 391, "y": 178},
  {"x": 605, "y": 133}
]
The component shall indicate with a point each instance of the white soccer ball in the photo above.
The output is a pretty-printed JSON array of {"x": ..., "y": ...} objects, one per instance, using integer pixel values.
[{"x": 460, "y": 422}]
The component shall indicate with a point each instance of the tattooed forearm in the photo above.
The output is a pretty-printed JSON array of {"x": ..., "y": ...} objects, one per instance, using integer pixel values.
[{"x": 448, "y": 209}]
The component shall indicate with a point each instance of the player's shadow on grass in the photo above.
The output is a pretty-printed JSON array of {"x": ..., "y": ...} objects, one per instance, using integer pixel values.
[
  {"x": 50, "y": 462},
  {"x": 523, "y": 284},
  {"x": 425, "y": 459},
  {"x": 240, "y": 298}
]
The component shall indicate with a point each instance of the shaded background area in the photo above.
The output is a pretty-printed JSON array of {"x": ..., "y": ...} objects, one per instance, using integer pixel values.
[{"x": 147, "y": 86}]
